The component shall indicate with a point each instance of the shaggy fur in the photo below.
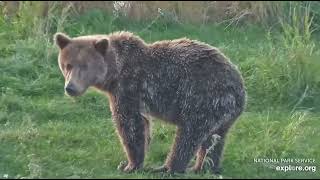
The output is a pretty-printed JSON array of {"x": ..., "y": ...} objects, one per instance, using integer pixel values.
[{"x": 184, "y": 82}]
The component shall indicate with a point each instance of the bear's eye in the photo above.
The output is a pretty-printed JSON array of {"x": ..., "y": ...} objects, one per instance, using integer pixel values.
[{"x": 68, "y": 67}]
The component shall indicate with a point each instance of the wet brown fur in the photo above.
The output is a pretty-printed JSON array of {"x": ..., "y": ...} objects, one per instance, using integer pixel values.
[{"x": 184, "y": 82}]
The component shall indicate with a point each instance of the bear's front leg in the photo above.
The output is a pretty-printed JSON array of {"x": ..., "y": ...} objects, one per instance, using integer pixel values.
[{"x": 131, "y": 130}]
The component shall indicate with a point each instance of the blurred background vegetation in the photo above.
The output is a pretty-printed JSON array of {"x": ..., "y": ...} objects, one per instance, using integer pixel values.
[
  {"x": 266, "y": 12},
  {"x": 44, "y": 134},
  {"x": 290, "y": 27}
]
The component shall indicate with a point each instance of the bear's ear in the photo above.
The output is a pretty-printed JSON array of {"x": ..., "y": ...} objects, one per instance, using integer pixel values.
[
  {"x": 101, "y": 45},
  {"x": 61, "y": 40}
]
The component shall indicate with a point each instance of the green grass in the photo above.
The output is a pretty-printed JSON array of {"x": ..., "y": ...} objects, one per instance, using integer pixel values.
[
  {"x": 87, "y": 146},
  {"x": 44, "y": 134}
]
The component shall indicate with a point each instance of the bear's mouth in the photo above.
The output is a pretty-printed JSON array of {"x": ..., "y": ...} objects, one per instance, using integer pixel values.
[
  {"x": 73, "y": 90},
  {"x": 72, "y": 94}
]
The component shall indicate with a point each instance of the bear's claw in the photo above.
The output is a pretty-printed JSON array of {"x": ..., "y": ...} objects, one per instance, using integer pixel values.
[{"x": 122, "y": 165}]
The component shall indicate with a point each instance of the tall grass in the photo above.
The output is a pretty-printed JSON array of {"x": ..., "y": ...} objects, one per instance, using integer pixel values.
[
  {"x": 204, "y": 12},
  {"x": 285, "y": 70}
]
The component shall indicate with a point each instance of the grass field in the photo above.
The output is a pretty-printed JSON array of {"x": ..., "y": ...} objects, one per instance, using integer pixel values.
[{"x": 45, "y": 134}]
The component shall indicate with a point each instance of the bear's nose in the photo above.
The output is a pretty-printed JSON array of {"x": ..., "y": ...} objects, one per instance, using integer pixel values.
[{"x": 70, "y": 89}]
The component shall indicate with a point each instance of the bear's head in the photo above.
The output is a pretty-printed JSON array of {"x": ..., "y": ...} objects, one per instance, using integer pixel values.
[{"x": 82, "y": 62}]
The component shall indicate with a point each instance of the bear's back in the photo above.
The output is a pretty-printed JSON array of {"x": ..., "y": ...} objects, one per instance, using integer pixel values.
[{"x": 186, "y": 51}]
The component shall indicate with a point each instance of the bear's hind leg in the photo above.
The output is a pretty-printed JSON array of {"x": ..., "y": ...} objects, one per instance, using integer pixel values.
[
  {"x": 215, "y": 155},
  {"x": 187, "y": 141},
  {"x": 211, "y": 149},
  {"x": 147, "y": 133},
  {"x": 201, "y": 155}
]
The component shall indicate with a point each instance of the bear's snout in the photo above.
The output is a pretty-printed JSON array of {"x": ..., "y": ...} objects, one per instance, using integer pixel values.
[{"x": 71, "y": 90}]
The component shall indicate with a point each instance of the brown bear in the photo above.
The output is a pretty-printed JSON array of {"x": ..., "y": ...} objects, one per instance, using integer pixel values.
[{"x": 184, "y": 82}]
